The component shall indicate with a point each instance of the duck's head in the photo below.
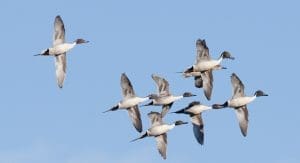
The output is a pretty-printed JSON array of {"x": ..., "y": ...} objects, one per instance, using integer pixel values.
[
  {"x": 80, "y": 41},
  {"x": 188, "y": 94},
  {"x": 226, "y": 54},
  {"x": 179, "y": 122},
  {"x": 259, "y": 93}
]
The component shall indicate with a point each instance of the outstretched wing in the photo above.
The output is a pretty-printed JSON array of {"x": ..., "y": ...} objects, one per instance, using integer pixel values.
[
  {"x": 207, "y": 78},
  {"x": 135, "y": 116},
  {"x": 198, "y": 128},
  {"x": 165, "y": 109},
  {"x": 127, "y": 89},
  {"x": 161, "y": 142},
  {"x": 162, "y": 85},
  {"x": 60, "y": 66},
  {"x": 59, "y": 31},
  {"x": 155, "y": 118},
  {"x": 237, "y": 85},
  {"x": 202, "y": 51},
  {"x": 242, "y": 115}
]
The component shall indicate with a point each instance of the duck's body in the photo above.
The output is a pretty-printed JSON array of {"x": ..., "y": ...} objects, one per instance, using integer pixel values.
[
  {"x": 202, "y": 69},
  {"x": 239, "y": 102},
  {"x": 194, "y": 110},
  {"x": 164, "y": 98},
  {"x": 159, "y": 130},
  {"x": 130, "y": 103},
  {"x": 59, "y": 50},
  {"x": 207, "y": 65}
]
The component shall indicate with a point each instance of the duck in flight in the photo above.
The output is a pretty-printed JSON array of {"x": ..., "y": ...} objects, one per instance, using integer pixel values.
[
  {"x": 159, "y": 130},
  {"x": 130, "y": 103},
  {"x": 194, "y": 110},
  {"x": 164, "y": 97},
  {"x": 202, "y": 69},
  {"x": 239, "y": 102},
  {"x": 59, "y": 50}
]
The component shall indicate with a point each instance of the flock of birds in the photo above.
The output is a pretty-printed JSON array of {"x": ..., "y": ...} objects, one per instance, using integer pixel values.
[{"x": 201, "y": 71}]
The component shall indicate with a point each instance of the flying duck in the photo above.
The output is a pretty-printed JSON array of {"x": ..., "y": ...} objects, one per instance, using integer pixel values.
[
  {"x": 159, "y": 130},
  {"x": 59, "y": 50},
  {"x": 194, "y": 110},
  {"x": 202, "y": 69},
  {"x": 130, "y": 103},
  {"x": 164, "y": 98},
  {"x": 239, "y": 102}
]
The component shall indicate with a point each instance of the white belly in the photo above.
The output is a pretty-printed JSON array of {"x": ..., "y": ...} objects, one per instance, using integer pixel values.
[
  {"x": 127, "y": 103},
  {"x": 158, "y": 130},
  {"x": 60, "y": 49},
  {"x": 206, "y": 65},
  {"x": 165, "y": 100},
  {"x": 197, "y": 109},
  {"x": 237, "y": 102}
]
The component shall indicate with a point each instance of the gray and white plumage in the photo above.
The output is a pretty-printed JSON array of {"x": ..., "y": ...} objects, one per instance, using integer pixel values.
[
  {"x": 133, "y": 111},
  {"x": 164, "y": 97},
  {"x": 162, "y": 85},
  {"x": 202, "y": 69},
  {"x": 135, "y": 117},
  {"x": 241, "y": 111},
  {"x": 194, "y": 110},
  {"x": 161, "y": 140},
  {"x": 159, "y": 130},
  {"x": 239, "y": 102},
  {"x": 60, "y": 59},
  {"x": 59, "y": 49},
  {"x": 130, "y": 103},
  {"x": 127, "y": 88}
]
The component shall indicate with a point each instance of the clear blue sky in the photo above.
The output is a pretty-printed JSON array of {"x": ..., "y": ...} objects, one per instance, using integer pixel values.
[{"x": 41, "y": 123}]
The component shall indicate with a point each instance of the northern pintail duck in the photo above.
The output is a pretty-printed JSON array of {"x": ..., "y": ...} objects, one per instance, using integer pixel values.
[
  {"x": 130, "y": 103},
  {"x": 59, "y": 50},
  {"x": 239, "y": 102},
  {"x": 194, "y": 110},
  {"x": 164, "y": 97},
  {"x": 202, "y": 69},
  {"x": 159, "y": 130}
]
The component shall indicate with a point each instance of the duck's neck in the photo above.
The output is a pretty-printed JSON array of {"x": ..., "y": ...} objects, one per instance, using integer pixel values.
[
  {"x": 143, "y": 99},
  {"x": 253, "y": 98},
  {"x": 220, "y": 59},
  {"x": 171, "y": 126},
  {"x": 177, "y": 97}
]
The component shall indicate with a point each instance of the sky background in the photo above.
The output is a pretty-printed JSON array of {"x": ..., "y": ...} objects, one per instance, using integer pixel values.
[{"x": 39, "y": 123}]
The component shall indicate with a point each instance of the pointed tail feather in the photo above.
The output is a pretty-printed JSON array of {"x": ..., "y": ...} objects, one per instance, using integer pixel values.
[
  {"x": 112, "y": 109},
  {"x": 141, "y": 137}
]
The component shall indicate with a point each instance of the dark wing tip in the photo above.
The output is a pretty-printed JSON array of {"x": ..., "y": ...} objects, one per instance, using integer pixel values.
[{"x": 233, "y": 75}]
